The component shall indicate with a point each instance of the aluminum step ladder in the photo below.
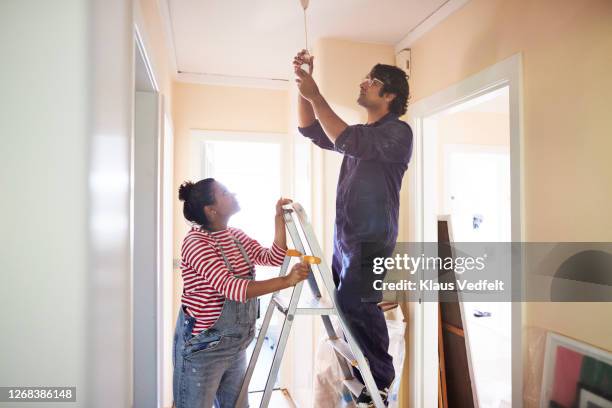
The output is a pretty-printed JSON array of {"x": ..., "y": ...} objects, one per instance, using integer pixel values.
[{"x": 348, "y": 352}]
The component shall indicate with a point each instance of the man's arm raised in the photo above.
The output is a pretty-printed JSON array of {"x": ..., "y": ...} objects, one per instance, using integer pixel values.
[
  {"x": 331, "y": 123},
  {"x": 306, "y": 115}
]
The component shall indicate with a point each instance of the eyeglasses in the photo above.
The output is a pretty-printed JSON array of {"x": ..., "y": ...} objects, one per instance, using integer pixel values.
[{"x": 371, "y": 81}]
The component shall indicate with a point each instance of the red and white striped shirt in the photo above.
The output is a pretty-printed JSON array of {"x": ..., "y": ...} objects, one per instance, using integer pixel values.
[{"x": 207, "y": 281}]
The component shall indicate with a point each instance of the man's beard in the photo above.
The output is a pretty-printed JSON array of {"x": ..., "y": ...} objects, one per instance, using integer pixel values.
[{"x": 361, "y": 100}]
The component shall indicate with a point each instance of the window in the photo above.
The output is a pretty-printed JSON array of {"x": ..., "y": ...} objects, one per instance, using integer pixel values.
[{"x": 251, "y": 170}]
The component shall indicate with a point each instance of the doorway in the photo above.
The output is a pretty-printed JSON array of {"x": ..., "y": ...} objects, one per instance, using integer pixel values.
[
  {"x": 467, "y": 165},
  {"x": 251, "y": 165}
]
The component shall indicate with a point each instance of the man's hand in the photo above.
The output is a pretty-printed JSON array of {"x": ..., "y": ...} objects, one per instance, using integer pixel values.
[
  {"x": 311, "y": 104},
  {"x": 306, "y": 115},
  {"x": 306, "y": 85},
  {"x": 301, "y": 58},
  {"x": 279, "y": 205}
]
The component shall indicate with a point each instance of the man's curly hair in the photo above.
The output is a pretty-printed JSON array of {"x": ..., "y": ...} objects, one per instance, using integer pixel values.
[{"x": 395, "y": 82}]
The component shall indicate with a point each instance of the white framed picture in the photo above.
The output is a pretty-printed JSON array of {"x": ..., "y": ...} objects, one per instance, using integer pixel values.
[
  {"x": 589, "y": 400},
  {"x": 575, "y": 372}
]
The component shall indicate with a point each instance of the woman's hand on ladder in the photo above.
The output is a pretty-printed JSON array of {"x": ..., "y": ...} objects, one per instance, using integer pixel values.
[{"x": 298, "y": 273}]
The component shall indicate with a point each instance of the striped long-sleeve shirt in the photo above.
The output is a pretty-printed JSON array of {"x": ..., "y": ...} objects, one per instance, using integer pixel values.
[{"x": 207, "y": 281}]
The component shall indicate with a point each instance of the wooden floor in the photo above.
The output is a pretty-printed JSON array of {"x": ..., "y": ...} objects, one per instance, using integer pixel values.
[{"x": 280, "y": 399}]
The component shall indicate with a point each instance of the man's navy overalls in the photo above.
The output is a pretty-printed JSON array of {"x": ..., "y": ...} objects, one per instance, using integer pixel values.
[{"x": 375, "y": 159}]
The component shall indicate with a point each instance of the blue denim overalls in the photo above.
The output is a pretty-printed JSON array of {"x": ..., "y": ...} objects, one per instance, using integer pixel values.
[{"x": 209, "y": 367}]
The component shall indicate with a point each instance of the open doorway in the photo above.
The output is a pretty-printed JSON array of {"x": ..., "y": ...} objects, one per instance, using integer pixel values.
[
  {"x": 469, "y": 173},
  {"x": 467, "y": 165},
  {"x": 253, "y": 166}
]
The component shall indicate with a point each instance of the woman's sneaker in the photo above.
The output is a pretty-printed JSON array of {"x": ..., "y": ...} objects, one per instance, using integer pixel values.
[{"x": 365, "y": 399}]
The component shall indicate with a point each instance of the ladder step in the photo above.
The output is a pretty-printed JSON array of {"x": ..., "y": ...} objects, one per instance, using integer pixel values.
[
  {"x": 354, "y": 386},
  {"x": 280, "y": 303},
  {"x": 315, "y": 306},
  {"x": 344, "y": 349},
  {"x": 312, "y": 306}
]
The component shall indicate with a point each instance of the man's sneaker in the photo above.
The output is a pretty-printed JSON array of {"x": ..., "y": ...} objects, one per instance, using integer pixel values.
[{"x": 365, "y": 399}]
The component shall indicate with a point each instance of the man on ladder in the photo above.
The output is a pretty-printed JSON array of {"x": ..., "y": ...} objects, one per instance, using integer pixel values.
[{"x": 376, "y": 156}]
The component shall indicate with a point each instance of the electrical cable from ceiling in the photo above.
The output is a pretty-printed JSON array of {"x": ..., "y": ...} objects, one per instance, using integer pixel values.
[{"x": 305, "y": 4}]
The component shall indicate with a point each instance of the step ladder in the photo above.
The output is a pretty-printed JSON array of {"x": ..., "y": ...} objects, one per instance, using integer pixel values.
[{"x": 347, "y": 351}]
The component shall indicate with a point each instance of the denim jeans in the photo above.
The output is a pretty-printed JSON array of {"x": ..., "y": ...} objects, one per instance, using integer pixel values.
[{"x": 209, "y": 367}]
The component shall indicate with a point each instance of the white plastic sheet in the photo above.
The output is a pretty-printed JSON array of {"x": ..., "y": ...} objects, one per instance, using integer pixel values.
[{"x": 328, "y": 378}]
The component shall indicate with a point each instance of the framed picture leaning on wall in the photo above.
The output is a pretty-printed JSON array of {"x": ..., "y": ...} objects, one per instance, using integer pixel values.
[{"x": 575, "y": 374}]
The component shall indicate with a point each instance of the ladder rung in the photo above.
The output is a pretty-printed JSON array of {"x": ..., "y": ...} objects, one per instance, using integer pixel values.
[
  {"x": 314, "y": 306},
  {"x": 280, "y": 303},
  {"x": 343, "y": 348},
  {"x": 354, "y": 386},
  {"x": 306, "y": 306}
]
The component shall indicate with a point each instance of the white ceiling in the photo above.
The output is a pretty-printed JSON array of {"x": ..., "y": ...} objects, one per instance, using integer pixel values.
[{"x": 242, "y": 38}]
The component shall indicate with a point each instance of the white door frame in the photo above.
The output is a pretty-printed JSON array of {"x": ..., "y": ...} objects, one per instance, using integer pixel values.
[
  {"x": 165, "y": 290},
  {"x": 424, "y": 354},
  {"x": 151, "y": 214}
]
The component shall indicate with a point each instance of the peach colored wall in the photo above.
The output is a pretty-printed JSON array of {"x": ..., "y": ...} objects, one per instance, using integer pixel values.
[
  {"x": 213, "y": 107},
  {"x": 566, "y": 64},
  {"x": 479, "y": 128},
  {"x": 566, "y": 47},
  {"x": 470, "y": 128}
]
